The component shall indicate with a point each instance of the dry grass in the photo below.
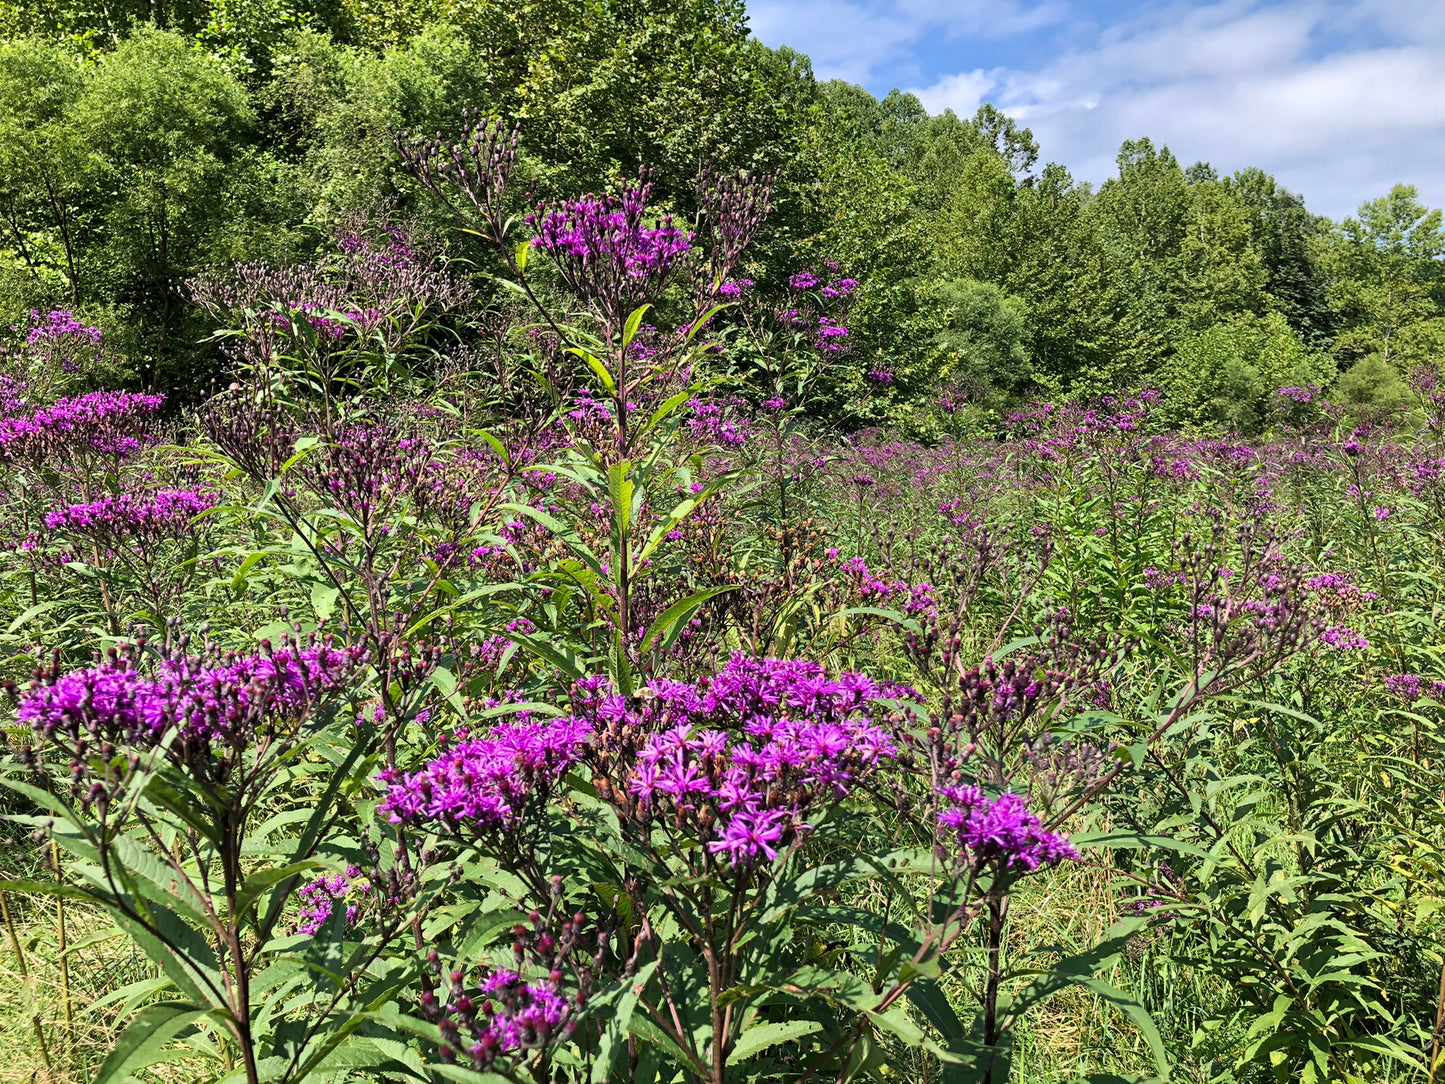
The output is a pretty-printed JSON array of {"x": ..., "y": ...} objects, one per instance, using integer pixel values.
[{"x": 45, "y": 1041}]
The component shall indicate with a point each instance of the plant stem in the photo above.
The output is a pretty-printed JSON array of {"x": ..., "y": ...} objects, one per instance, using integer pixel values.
[
  {"x": 64, "y": 961},
  {"x": 1439, "y": 1023},
  {"x": 14, "y": 938}
]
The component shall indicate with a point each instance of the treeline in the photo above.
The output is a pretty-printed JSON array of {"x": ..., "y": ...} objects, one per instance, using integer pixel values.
[{"x": 141, "y": 142}]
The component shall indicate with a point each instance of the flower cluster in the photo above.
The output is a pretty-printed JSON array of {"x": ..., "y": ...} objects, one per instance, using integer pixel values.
[
  {"x": 1001, "y": 830},
  {"x": 165, "y": 512},
  {"x": 605, "y": 250},
  {"x": 744, "y": 759},
  {"x": 506, "y": 1013},
  {"x": 1342, "y": 638},
  {"x": 815, "y": 309},
  {"x": 59, "y": 324},
  {"x": 105, "y": 421},
  {"x": 734, "y": 288},
  {"x": 202, "y": 700},
  {"x": 713, "y": 423},
  {"x": 61, "y": 339},
  {"x": 487, "y": 783},
  {"x": 1411, "y": 687},
  {"x": 1298, "y": 394},
  {"x": 320, "y": 898},
  {"x": 830, "y": 335}
]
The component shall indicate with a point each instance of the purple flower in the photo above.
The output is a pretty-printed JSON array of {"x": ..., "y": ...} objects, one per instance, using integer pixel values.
[
  {"x": 488, "y": 782},
  {"x": 1344, "y": 639},
  {"x": 751, "y": 835},
  {"x": 1405, "y": 686},
  {"x": 225, "y": 702},
  {"x": 164, "y": 512},
  {"x": 803, "y": 280},
  {"x": 1298, "y": 394},
  {"x": 507, "y": 1015},
  {"x": 830, "y": 336},
  {"x": 320, "y": 898},
  {"x": 105, "y": 421},
  {"x": 606, "y": 252},
  {"x": 711, "y": 425},
  {"x": 59, "y": 324},
  {"x": 1001, "y": 830},
  {"x": 734, "y": 288},
  {"x": 805, "y": 739}
]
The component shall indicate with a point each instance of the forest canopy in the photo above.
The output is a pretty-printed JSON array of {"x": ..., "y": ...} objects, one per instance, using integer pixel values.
[{"x": 141, "y": 143}]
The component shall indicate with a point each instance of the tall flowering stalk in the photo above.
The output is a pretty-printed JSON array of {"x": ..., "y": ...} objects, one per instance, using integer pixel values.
[
  {"x": 617, "y": 257},
  {"x": 73, "y": 451},
  {"x": 176, "y": 760},
  {"x": 710, "y": 820},
  {"x": 145, "y": 540},
  {"x": 346, "y": 321}
]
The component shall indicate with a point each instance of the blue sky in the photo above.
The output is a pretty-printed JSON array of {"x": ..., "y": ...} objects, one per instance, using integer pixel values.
[{"x": 1339, "y": 99}]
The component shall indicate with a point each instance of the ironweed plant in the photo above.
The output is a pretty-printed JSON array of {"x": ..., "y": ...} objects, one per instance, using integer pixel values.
[{"x": 506, "y": 679}]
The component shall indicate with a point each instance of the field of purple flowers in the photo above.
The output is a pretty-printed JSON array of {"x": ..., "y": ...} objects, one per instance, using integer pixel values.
[{"x": 508, "y": 678}]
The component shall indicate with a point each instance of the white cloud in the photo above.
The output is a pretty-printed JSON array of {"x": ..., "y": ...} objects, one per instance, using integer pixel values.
[
  {"x": 844, "y": 40},
  {"x": 1338, "y": 98},
  {"x": 854, "y": 39},
  {"x": 963, "y": 93}
]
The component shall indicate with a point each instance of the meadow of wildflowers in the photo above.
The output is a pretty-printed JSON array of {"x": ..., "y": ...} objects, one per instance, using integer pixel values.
[{"x": 506, "y": 678}]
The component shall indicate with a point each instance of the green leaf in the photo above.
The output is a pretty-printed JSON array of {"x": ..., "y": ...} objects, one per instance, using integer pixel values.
[
  {"x": 152, "y": 1028},
  {"x": 634, "y": 321},
  {"x": 619, "y": 1020},
  {"x": 702, "y": 320},
  {"x": 761, "y": 1036},
  {"x": 619, "y": 489},
  {"x": 1137, "y": 1014},
  {"x": 671, "y": 622},
  {"x": 599, "y": 370},
  {"x": 323, "y": 600},
  {"x": 930, "y": 1000}
]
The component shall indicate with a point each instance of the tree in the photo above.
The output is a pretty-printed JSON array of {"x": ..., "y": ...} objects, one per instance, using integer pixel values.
[
  {"x": 1225, "y": 376},
  {"x": 42, "y": 162},
  {"x": 1286, "y": 236},
  {"x": 983, "y": 340},
  {"x": 165, "y": 122},
  {"x": 1387, "y": 269}
]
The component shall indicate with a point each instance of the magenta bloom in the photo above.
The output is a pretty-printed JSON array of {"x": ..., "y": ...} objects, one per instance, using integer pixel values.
[
  {"x": 734, "y": 288},
  {"x": 750, "y": 756},
  {"x": 106, "y": 421},
  {"x": 59, "y": 324},
  {"x": 711, "y": 425},
  {"x": 1002, "y": 830},
  {"x": 504, "y": 1015},
  {"x": 320, "y": 898},
  {"x": 164, "y": 512},
  {"x": 225, "y": 702},
  {"x": 488, "y": 782},
  {"x": 1341, "y": 638},
  {"x": 750, "y": 836},
  {"x": 606, "y": 251}
]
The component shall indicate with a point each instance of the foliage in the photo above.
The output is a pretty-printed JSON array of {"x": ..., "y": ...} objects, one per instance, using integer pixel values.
[{"x": 679, "y": 588}]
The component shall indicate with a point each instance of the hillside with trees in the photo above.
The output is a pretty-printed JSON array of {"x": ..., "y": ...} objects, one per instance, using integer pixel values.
[{"x": 144, "y": 143}]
